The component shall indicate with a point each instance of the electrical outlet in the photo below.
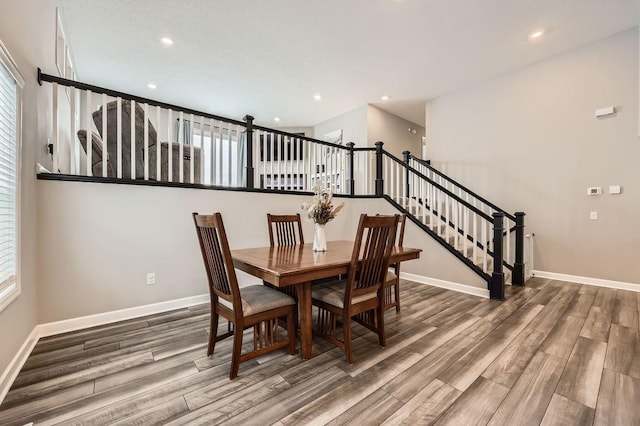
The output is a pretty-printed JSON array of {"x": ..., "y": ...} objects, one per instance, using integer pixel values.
[
  {"x": 151, "y": 278},
  {"x": 593, "y": 215}
]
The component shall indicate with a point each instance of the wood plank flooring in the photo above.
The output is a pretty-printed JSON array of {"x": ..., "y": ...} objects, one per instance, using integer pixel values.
[{"x": 553, "y": 353}]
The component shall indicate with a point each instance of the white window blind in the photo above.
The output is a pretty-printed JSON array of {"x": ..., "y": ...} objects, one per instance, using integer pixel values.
[{"x": 10, "y": 86}]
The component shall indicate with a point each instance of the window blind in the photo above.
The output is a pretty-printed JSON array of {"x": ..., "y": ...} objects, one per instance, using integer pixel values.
[{"x": 8, "y": 180}]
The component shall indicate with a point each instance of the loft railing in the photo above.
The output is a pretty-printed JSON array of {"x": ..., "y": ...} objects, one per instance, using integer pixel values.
[{"x": 116, "y": 136}]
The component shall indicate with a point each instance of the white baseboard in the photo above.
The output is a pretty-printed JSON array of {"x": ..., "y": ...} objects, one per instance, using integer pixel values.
[
  {"x": 461, "y": 288},
  {"x": 49, "y": 329},
  {"x": 620, "y": 285},
  {"x": 11, "y": 372},
  {"x": 79, "y": 323}
]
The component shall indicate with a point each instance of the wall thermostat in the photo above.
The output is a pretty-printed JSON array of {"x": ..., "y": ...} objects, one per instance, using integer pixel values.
[{"x": 594, "y": 190}]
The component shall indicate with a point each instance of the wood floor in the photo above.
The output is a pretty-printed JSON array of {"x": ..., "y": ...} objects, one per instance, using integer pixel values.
[{"x": 553, "y": 353}]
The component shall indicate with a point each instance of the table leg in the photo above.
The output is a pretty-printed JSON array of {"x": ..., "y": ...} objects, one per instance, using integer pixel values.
[{"x": 304, "y": 306}]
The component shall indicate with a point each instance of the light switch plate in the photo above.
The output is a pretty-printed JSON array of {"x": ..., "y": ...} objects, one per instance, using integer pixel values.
[
  {"x": 615, "y": 189},
  {"x": 594, "y": 190},
  {"x": 604, "y": 112},
  {"x": 593, "y": 215}
]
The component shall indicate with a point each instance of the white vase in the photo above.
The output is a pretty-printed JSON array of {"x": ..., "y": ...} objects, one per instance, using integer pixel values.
[{"x": 319, "y": 238}]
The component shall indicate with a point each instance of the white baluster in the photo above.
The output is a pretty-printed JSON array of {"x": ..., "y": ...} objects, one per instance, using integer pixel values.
[
  {"x": 119, "y": 137},
  {"x": 133, "y": 143},
  {"x": 55, "y": 118},
  {"x": 485, "y": 245},
  {"x": 104, "y": 135},
  {"x": 146, "y": 142},
  {"x": 169, "y": 147},
  {"x": 158, "y": 145},
  {"x": 192, "y": 132},
  {"x": 89, "y": 136},
  {"x": 181, "y": 147},
  {"x": 74, "y": 145}
]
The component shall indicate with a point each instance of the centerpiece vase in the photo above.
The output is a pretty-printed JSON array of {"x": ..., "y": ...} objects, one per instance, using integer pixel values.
[{"x": 319, "y": 238}]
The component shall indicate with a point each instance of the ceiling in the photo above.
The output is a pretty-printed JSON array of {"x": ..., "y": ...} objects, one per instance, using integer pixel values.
[{"x": 269, "y": 58}]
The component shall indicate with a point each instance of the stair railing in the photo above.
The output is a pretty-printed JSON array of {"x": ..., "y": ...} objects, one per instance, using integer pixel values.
[
  {"x": 513, "y": 234},
  {"x": 472, "y": 235},
  {"x": 169, "y": 144}
]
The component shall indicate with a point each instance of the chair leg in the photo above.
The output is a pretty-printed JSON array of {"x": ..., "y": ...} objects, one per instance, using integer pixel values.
[
  {"x": 237, "y": 348},
  {"x": 291, "y": 329},
  {"x": 347, "y": 338},
  {"x": 381, "y": 335},
  {"x": 213, "y": 332},
  {"x": 397, "y": 291}
]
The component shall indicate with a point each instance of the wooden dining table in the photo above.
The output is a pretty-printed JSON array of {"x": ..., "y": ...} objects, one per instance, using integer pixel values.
[{"x": 297, "y": 266}]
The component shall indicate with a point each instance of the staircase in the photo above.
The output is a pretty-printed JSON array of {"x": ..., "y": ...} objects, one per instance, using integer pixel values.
[
  {"x": 221, "y": 153},
  {"x": 483, "y": 236}
]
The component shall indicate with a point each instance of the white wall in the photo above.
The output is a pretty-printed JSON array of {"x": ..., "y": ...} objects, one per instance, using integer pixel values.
[
  {"x": 352, "y": 123},
  {"x": 368, "y": 124},
  {"x": 114, "y": 234},
  {"x": 27, "y": 28},
  {"x": 393, "y": 131},
  {"x": 529, "y": 141}
]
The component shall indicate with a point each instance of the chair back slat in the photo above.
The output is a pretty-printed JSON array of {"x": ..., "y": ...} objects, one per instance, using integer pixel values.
[
  {"x": 401, "y": 222},
  {"x": 288, "y": 230},
  {"x": 371, "y": 252},
  {"x": 217, "y": 257}
]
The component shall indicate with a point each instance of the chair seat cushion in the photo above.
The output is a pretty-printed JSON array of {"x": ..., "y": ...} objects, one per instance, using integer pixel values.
[
  {"x": 391, "y": 278},
  {"x": 258, "y": 298},
  {"x": 333, "y": 294}
]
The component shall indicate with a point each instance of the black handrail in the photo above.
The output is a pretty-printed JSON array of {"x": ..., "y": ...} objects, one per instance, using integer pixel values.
[
  {"x": 293, "y": 135},
  {"x": 350, "y": 148},
  {"x": 442, "y": 188},
  {"x": 467, "y": 190},
  {"x": 116, "y": 94}
]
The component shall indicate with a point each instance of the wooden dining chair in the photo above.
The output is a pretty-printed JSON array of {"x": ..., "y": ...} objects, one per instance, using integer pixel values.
[
  {"x": 363, "y": 290},
  {"x": 254, "y": 306},
  {"x": 392, "y": 281},
  {"x": 288, "y": 229}
]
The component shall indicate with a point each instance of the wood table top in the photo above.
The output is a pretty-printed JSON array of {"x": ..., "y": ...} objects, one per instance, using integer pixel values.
[{"x": 289, "y": 265}]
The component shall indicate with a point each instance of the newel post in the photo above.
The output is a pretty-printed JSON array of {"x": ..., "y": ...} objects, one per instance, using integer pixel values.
[
  {"x": 351, "y": 181},
  {"x": 379, "y": 180},
  {"x": 496, "y": 287},
  {"x": 249, "y": 169},
  {"x": 518, "y": 266},
  {"x": 405, "y": 158}
]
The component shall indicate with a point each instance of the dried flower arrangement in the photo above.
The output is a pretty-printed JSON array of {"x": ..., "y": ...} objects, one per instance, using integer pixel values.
[{"x": 321, "y": 209}]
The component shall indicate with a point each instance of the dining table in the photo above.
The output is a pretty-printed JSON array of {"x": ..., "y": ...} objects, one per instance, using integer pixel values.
[{"x": 296, "y": 267}]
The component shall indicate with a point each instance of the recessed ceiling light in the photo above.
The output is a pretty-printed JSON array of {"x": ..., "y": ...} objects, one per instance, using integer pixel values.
[
  {"x": 166, "y": 41},
  {"x": 317, "y": 97},
  {"x": 537, "y": 34},
  {"x": 384, "y": 97},
  {"x": 152, "y": 86},
  {"x": 276, "y": 119}
]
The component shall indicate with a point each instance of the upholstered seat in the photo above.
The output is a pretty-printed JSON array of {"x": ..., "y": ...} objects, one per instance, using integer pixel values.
[
  {"x": 257, "y": 299},
  {"x": 390, "y": 277},
  {"x": 361, "y": 295},
  {"x": 333, "y": 294},
  {"x": 261, "y": 307}
]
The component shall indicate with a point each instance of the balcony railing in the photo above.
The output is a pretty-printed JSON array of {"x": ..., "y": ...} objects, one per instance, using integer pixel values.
[{"x": 114, "y": 136}]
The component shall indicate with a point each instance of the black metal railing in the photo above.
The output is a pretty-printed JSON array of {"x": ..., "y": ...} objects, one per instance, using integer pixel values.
[{"x": 123, "y": 143}]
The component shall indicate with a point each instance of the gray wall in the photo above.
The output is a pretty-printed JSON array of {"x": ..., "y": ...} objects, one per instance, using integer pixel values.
[
  {"x": 393, "y": 131},
  {"x": 114, "y": 234},
  {"x": 368, "y": 124},
  {"x": 27, "y": 28},
  {"x": 529, "y": 141},
  {"x": 352, "y": 123}
]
